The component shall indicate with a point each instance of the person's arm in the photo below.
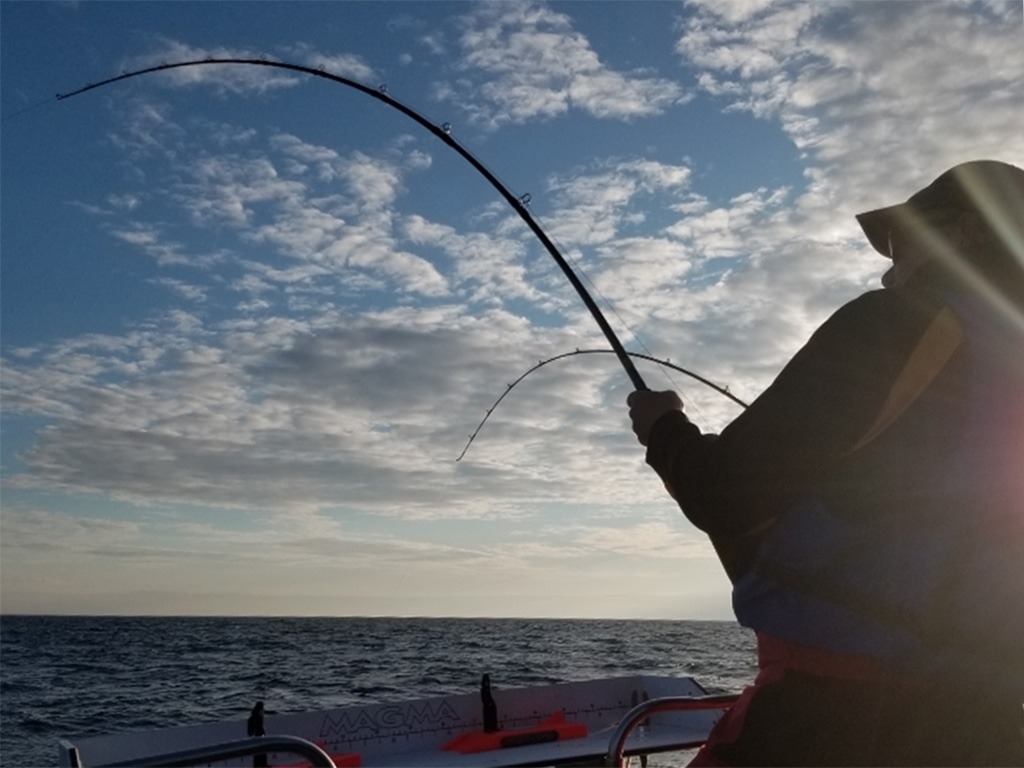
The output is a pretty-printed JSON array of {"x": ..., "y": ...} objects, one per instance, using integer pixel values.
[{"x": 781, "y": 447}]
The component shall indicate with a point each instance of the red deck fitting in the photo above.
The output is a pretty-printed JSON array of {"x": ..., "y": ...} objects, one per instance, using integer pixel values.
[{"x": 553, "y": 728}]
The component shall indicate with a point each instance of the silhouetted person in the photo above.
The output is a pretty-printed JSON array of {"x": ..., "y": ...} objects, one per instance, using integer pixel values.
[{"x": 868, "y": 507}]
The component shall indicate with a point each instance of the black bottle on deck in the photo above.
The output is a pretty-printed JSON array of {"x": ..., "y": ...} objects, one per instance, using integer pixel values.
[{"x": 490, "y": 708}]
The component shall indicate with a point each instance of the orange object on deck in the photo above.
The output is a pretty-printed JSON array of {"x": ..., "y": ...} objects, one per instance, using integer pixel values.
[{"x": 553, "y": 728}]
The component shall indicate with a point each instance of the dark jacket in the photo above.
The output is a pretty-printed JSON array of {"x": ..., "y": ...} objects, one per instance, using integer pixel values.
[{"x": 904, "y": 543}]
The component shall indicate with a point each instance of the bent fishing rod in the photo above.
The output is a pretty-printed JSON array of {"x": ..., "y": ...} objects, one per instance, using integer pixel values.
[
  {"x": 665, "y": 363},
  {"x": 443, "y": 132}
]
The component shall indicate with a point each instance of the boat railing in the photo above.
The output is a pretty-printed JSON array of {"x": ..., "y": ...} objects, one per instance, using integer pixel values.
[
  {"x": 227, "y": 751},
  {"x": 615, "y": 757}
]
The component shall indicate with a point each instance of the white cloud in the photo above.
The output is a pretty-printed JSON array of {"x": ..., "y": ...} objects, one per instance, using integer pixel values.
[
  {"x": 846, "y": 80},
  {"x": 148, "y": 239},
  {"x": 595, "y": 205},
  {"x": 188, "y": 291},
  {"x": 233, "y": 78},
  {"x": 486, "y": 269},
  {"x": 344, "y": 64},
  {"x": 539, "y": 67}
]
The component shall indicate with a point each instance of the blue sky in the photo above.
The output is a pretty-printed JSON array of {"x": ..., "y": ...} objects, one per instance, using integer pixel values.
[{"x": 250, "y": 317}]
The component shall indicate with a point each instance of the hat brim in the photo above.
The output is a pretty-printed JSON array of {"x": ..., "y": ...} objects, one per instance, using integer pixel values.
[{"x": 877, "y": 225}]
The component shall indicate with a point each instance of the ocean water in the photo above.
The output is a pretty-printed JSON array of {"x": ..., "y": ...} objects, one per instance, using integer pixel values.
[{"x": 62, "y": 677}]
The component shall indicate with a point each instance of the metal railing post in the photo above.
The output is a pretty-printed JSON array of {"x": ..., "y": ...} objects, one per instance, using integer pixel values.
[
  {"x": 232, "y": 749},
  {"x": 617, "y": 743}
]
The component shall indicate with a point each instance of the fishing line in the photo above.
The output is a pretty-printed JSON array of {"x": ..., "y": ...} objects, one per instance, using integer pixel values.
[
  {"x": 29, "y": 108},
  {"x": 718, "y": 388},
  {"x": 604, "y": 299},
  {"x": 611, "y": 307},
  {"x": 442, "y": 132}
]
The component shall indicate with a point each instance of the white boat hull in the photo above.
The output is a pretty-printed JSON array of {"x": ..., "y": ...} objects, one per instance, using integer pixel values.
[{"x": 416, "y": 732}]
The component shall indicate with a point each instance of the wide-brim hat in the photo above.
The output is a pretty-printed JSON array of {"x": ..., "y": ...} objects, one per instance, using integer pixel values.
[{"x": 991, "y": 188}]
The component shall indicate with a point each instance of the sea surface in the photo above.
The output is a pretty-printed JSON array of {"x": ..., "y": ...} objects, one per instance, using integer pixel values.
[{"x": 62, "y": 677}]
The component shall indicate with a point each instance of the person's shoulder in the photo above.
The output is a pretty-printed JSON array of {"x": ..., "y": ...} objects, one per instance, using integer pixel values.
[
  {"x": 905, "y": 298},
  {"x": 888, "y": 319},
  {"x": 889, "y": 307}
]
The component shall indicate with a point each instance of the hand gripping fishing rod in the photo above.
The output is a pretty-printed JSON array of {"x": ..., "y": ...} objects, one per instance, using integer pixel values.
[{"x": 442, "y": 132}]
